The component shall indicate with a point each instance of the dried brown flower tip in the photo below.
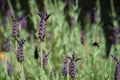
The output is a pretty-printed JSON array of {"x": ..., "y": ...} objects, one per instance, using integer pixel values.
[{"x": 36, "y": 55}]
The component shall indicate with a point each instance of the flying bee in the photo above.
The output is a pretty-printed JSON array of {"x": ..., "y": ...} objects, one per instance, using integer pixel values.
[{"x": 96, "y": 44}]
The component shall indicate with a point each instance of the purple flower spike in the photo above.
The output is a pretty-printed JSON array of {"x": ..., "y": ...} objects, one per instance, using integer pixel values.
[
  {"x": 72, "y": 65},
  {"x": 117, "y": 70},
  {"x": 83, "y": 37},
  {"x": 9, "y": 68},
  {"x": 23, "y": 21},
  {"x": 15, "y": 29},
  {"x": 115, "y": 58},
  {"x": 65, "y": 68},
  {"x": 8, "y": 12},
  {"x": 95, "y": 15},
  {"x": 7, "y": 46},
  {"x": 115, "y": 35},
  {"x": 45, "y": 58},
  {"x": 20, "y": 55},
  {"x": 42, "y": 25}
]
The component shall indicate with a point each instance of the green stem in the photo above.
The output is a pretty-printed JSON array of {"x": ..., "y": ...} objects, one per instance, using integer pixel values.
[
  {"x": 5, "y": 67},
  {"x": 41, "y": 60},
  {"x": 9, "y": 78},
  {"x": 112, "y": 8},
  {"x": 67, "y": 78},
  {"x": 22, "y": 72},
  {"x": 39, "y": 66},
  {"x": 41, "y": 56}
]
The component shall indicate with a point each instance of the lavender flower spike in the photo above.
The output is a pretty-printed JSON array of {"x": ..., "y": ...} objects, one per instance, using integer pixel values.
[
  {"x": 117, "y": 70},
  {"x": 15, "y": 29},
  {"x": 115, "y": 58},
  {"x": 72, "y": 66},
  {"x": 45, "y": 58},
  {"x": 42, "y": 25},
  {"x": 115, "y": 35},
  {"x": 9, "y": 68},
  {"x": 7, "y": 46},
  {"x": 23, "y": 21},
  {"x": 20, "y": 55},
  {"x": 83, "y": 37},
  {"x": 65, "y": 68}
]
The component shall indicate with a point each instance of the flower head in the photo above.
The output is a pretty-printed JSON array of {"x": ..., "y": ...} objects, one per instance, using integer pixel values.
[
  {"x": 117, "y": 70},
  {"x": 115, "y": 35},
  {"x": 23, "y": 21},
  {"x": 15, "y": 28},
  {"x": 65, "y": 68},
  {"x": 45, "y": 58},
  {"x": 9, "y": 68},
  {"x": 42, "y": 25},
  {"x": 72, "y": 65},
  {"x": 83, "y": 37},
  {"x": 7, "y": 46},
  {"x": 20, "y": 55}
]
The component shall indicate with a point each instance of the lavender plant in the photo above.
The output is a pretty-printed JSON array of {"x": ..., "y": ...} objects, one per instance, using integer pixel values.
[
  {"x": 65, "y": 68},
  {"x": 115, "y": 35},
  {"x": 23, "y": 21},
  {"x": 72, "y": 65},
  {"x": 117, "y": 70},
  {"x": 94, "y": 15},
  {"x": 7, "y": 46},
  {"x": 20, "y": 55},
  {"x": 15, "y": 28},
  {"x": 42, "y": 25},
  {"x": 9, "y": 68},
  {"x": 45, "y": 58},
  {"x": 8, "y": 12},
  {"x": 83, "y": 37}
]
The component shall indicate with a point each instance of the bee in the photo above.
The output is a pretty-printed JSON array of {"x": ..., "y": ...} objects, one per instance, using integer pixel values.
[{"x": 96, "y": 44}]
